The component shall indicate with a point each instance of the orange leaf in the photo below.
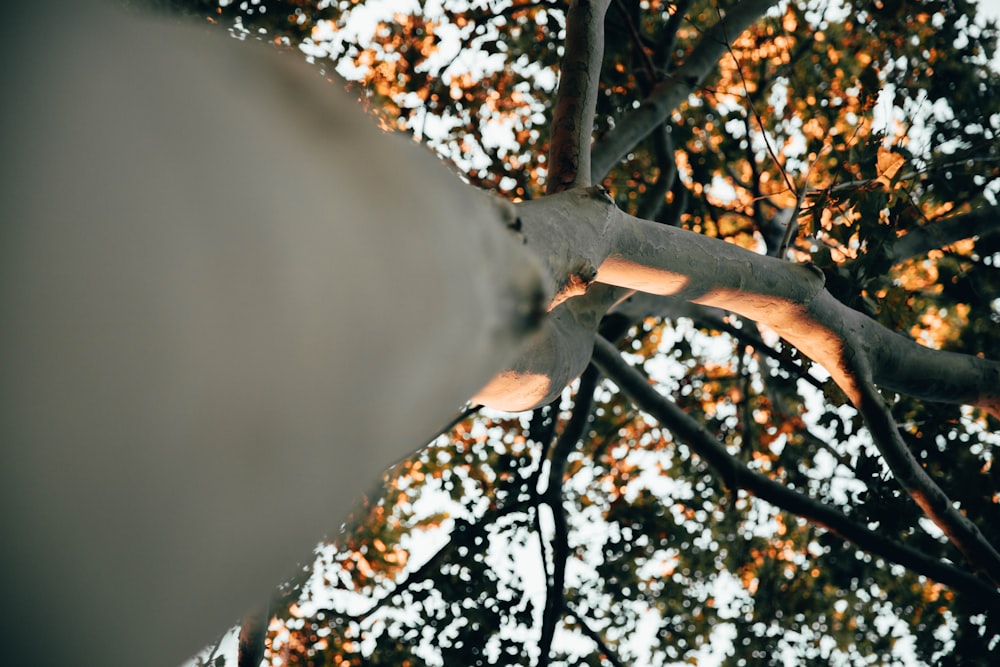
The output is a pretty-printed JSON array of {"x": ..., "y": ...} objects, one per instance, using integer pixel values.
[{"x": 887, "y": 165}]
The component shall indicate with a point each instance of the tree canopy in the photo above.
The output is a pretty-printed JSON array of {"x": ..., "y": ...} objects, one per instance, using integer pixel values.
[{"x": 741, "y": 509}]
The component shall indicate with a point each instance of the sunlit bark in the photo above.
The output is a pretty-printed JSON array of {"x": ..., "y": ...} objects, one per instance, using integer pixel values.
[{"x": 582, "y": 229}]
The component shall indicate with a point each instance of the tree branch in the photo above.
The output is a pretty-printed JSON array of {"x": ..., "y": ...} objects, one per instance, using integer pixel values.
[
  {"x": 655, "y": 199},
  {"x": 634, "y": 126},
  {"x": 737, "y": 476},
  {"x": 931, "y": 499},
  {"x": 640, "y": 305},
  {"x": 576, "y": 101},
  {"x": 637, "y": 42},
  {"x": 253, "y": 633},
  {"x": 634, "y": 254},
  {"x": 940, "y": 233},
  {"x": 565, "y": 445},
  {"x": 664, "y": 50}
]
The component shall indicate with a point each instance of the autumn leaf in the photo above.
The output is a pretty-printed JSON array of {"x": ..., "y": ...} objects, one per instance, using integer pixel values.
[{"x": 887, "y": 165}]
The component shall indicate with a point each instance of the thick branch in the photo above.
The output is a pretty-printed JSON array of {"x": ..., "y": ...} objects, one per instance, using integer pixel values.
[
  {"x": 737, "y": 476},
  {"x": 940, "y": 233},
  {"x": 634, "y": 126},
  {"x": 554, "y": 357},
  {"x": 640, "y": 305},
  {"x": 578, "y": 229},
  {"x": 576, "y": 101},
  {"x": 790, "y": 299}
]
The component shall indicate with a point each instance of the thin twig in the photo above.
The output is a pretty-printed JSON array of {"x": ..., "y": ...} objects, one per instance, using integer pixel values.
[
  {"x": 750, "y": 104},
  {"x": 793, "y": 221},
  {"x": 647, "y": 62},
  {"x": 215, "y": 649},
  {"x": 596, "y": 637}
]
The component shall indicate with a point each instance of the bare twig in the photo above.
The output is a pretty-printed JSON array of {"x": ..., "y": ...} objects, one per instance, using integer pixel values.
[
  {"x": 596, "y": 637},
  {"x": 210, "y": 660},
  {"x": 800, "y": 198},
  {"x": 752, "y": 108},
  {"x": 637, "y": 41}
]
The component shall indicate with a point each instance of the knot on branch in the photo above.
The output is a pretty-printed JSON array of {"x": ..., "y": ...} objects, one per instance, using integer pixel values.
[
  {"x": 601, "y": 193},
  {"x": 813, "y": 282},
  {"x": 507, "y": 212}
]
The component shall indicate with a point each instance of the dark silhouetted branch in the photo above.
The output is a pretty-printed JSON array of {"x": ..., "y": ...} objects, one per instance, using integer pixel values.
[
  {"x": 595, "y": 636},
  {"x": 934, "y": 502},
  {"x": 738, "y": 476},
  {"x": 565, "y": 445},
  {"x": 253, "y": 632},
  {"x": 940, "y": 233}
]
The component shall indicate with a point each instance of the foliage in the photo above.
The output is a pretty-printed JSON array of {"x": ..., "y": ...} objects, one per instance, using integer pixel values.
[{"x": 878, "y": 120}]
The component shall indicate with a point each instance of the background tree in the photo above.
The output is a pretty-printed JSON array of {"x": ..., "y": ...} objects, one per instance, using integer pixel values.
[{"x": 754, "y": 513}]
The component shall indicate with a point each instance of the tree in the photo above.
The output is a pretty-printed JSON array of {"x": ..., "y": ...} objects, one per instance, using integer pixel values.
[{"x": 736, "y": 184}]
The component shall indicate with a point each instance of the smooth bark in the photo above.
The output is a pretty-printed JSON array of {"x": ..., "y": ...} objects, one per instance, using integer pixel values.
[
  {"x": 228, "y": 302},
  {"x": 582, "y": 233},
  {"x": 573, "y": 117}
]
